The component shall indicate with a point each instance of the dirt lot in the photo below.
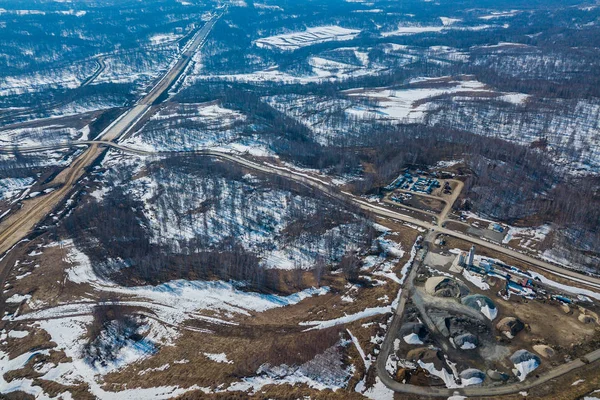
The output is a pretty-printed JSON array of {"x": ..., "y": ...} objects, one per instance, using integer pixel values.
[{"x": 545, "y": 321}]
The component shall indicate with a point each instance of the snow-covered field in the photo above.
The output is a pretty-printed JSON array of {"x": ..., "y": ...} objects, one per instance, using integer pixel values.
[
  {"x": 325, "y": 371},
  {"x": 176, "y": 301},
  {"x": 528, "y": 238},
  {"x": 170, "y": 305},
  {"x": 39, "y": 136},
  {"x": 140, "y": 67},
  {"x": 66, "y": 333},
  {"x": 11, "y": 187},
  {"x": 69, "y": 78},
  {"x": 311, "y": 36},
  {"x": 239, "y": 207},
  {"x": 161, "y": 38},
  {"x": 321, "y": 70},
  {"x": 330, "y": 118},
  {"x": 413, "y": 104}
]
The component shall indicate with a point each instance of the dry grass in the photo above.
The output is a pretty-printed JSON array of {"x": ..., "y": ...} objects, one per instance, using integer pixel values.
[
  {"x": 38, "y": 339},
  {"x": 53, "y": 389},
  {"x": 273, "y": 337},
  {"x": 54, "y": 357},
  {"x": 280, "y": 392},
  {"x": 47, "y": 283},
  {"x": 17, "y": 396},
  {"x": 247, "y": 348}
]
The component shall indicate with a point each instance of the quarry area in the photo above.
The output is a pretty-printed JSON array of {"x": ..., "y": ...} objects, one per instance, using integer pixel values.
[{"x": 475, "y": 320}]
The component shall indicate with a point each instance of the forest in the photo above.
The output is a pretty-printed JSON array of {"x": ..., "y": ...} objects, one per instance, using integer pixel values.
[{"x": 124, "y": 246}]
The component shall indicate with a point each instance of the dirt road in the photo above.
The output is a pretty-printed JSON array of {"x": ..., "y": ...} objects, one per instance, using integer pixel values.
[
  {"x": 18, "y": 225},
  {"x": 332, "y": 191},
  {"x": 430, "y": 391}
]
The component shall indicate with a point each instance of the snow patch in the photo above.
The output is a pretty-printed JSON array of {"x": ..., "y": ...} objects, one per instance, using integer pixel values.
[
  {"x": 412, "y": 338},
  {"x": 218, "y": 357}
]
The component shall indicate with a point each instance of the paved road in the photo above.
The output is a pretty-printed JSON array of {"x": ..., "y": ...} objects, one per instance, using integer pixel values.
[
  {"x": 22, "y": 222},
  {"x": 18, "y": 224},
  {"x": 407, "y": 291},
  {"x": 551, "y": 268},
  {"x": 99, "y": 70},
  {"x": 188, "y": 52},
  {"x": 125, "y": 122}
]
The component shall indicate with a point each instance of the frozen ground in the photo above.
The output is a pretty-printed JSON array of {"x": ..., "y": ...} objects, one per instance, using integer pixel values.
[
  {"x": 176, "y": 301},
  {"x": 140, "y": 67},
  {"x": 570, "y": 127},
  {"x": 322, "y": 69},
  {"x": 448, "y": 24},
  {"x": 170, "y": 304},
  {"x": 69, "y": 335},
  {"x": 38, "y": 136},
  {"x": 66, "y": 78},
  {"x": 331, "y": 118},
  {"x": 325, "y": 371},
  {"x": 11, "y": 187}
]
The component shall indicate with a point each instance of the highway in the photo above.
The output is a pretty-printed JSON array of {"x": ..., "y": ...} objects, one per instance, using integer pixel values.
[
  {"x": 20, "y": 223},
  {"x": 387, "y": 345},
  {"x": 173, "y": 74}
]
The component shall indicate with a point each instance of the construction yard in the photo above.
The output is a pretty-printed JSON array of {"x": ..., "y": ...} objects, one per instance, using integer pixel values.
[{"x": 474, "y": 320}]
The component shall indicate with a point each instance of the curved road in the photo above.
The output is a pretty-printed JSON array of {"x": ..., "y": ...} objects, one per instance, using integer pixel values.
[
  {"x": 18, "y": 225},
  {"x": 406, "y": 292},
  {"x": 331, "y": 190},
  {"x": 97, "y": 72}
]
